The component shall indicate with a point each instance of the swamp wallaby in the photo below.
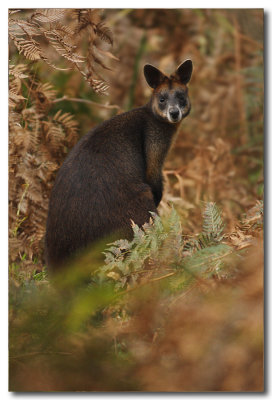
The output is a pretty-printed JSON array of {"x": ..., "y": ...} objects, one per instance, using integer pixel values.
[{"x": 114, "y": 173}]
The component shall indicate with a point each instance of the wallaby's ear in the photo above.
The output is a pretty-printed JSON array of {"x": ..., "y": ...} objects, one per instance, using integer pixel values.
[
  {"x": 153, "y": 75},
  {"x": 184, "y": 71}
]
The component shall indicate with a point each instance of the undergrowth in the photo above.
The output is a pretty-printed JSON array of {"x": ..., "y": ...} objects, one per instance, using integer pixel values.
[
  {"x": 160, "y": 246},
  {"x": 56, "y": 321}
]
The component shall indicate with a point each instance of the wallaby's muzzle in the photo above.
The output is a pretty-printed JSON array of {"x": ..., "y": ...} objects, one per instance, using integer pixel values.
[{"x": 174, "y": 114}]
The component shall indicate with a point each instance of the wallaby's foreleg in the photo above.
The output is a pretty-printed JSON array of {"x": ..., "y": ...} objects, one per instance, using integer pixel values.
[
  {"x": 154, "y": 161},
  {"x": 156, "y": 185}
]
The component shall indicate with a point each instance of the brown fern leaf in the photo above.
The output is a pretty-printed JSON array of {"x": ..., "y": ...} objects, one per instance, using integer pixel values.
[
  {"x": 46, "y": 169},
  {"x": 44, "y": 94},
  {"x": 55, "y": 133},
  {"x": 53, "y": 65},
  {"x": 11, "y": 12},
  {"x": 60, "y": 36},
  {"x": 16, "y": 138},
  {"x": 82, "y": 24},
  {"x": 55, "y": 137},
  {"x": 34, "y": 137},
  {"x": 34, "y": 194},
  {"x": 18, "y": 70},
  {"x": 104, "y": 33},
  {"x": 64, "y": 29},
  {"x": 68, "y": 123},
  {"x": 41, "y": 214},
  {"x": 15, "y": 243},
  {"x": 15, "y": 85},
  {"x": 20, "y": 137},
  {"x": 34, "y": 141},
  {"x": 37, "y": 236},
  {"x": 14, "y": 93},
  {"x": 14, "y": 118},
  {"x": 20, "y": 27},
  {"x": 29, "y": 48},
  {"x": 64, "y": 48},
  {"x": 239, "y": 239},
  {"x": 31, "y": 117},
  {"x": 35, "y": 226},
  {"x": 99, "y": 86},
  {"x": 31, "y": 160},
  {"x": 49, "y": 15},
  {"x": 44, "y": 151},
  {"x": 24, "y": 174},
  {"x": 86, "y": 18},
  {"x": 95, "y": 15},
  {"x": 253, "y": 220},
  {"x": 48, "y": 90},
  {"x": 26, "y": 242},
  {"x": 76, "y": 13},
  {"x": 14, "y": 98}
]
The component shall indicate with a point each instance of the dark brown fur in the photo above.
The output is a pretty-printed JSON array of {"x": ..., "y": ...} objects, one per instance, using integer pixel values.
[{"x": 112, "y": 176}]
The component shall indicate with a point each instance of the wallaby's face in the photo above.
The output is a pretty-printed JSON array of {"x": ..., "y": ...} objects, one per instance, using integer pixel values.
[{"x": 170, "y": 100}]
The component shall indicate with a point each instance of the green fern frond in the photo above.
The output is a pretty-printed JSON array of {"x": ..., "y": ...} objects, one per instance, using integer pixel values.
[
  {"x": 213, "y": 225},
  {"x": 159, "y": 243},
  {"x": 206, "y": 260},
  {"x": 180, "y": 282},
  {"x": 212, "y": 261},
  {"x": 156, "y": 242}
]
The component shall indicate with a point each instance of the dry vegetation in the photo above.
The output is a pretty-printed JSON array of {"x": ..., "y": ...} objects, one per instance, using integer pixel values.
[{"x": 188, "y": 311}]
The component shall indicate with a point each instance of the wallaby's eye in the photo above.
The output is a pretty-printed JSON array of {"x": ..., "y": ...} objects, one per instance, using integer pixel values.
[{"x": 162, "y": 99}]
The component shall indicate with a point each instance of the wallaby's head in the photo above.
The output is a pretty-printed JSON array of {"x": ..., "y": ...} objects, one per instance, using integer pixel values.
[{"x": 170, "y": 100}]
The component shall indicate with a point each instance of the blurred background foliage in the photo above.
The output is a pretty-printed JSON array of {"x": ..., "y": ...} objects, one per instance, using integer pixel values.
[{"x": 71, "y": 69}]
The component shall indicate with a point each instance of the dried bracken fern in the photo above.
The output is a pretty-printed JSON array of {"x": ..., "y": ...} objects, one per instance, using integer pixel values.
[
  {"x": 48, "y": 15},
  {"x": 249, "y": 228},
  {"x": 38, "y": 143},
  {"x": 63, "y": 47},
  {"x": 61, "y": 30}
]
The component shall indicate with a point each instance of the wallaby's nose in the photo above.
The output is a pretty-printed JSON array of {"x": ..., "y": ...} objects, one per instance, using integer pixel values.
[{"x": 174, "y": 113}]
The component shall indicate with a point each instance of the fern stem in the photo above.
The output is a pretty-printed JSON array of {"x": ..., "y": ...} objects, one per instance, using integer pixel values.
[
  {"x": 183, "y": 294},
  {"x": 142, "y": 272},
  {"x": 146, "y": 283},
  {"x": 162, "y": 277}
]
